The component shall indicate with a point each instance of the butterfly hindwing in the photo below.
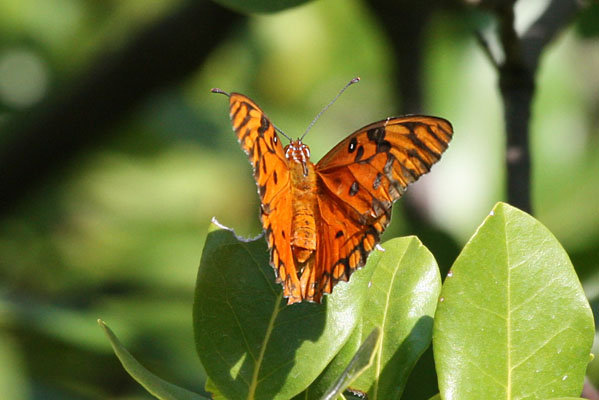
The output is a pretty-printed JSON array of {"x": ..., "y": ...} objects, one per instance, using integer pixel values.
[
  {"x": 259, "y": 140},
  {"x": 343, "y": 244}
]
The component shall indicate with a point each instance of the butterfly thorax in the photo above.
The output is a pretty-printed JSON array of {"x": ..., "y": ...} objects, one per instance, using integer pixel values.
[{"x": 304, "y": 203}]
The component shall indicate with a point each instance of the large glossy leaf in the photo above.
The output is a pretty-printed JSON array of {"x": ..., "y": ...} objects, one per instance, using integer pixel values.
[
  {"x": 513, "y": 321},
  {"x": 252, "y": 345},
  {"x": 331, "y": 373},
  {"x": 158, "y": 387},
  {"x": 259, "y": 6},
  {"x": 404, "y": 290},
  {"x": 359, "y": 362}
]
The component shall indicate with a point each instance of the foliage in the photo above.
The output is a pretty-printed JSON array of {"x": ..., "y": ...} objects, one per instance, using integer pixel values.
[{"x": 512, "y": 320}]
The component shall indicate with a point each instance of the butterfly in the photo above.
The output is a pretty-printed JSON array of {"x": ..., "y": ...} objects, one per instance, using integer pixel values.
[{"x": 322, "y": 220}]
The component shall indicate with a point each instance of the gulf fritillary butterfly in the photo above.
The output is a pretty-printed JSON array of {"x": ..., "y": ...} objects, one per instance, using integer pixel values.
[{"x": 322, "y": 220}]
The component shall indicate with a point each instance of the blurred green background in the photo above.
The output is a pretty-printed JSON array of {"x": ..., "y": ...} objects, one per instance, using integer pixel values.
[{"x": 116, "y": 230}]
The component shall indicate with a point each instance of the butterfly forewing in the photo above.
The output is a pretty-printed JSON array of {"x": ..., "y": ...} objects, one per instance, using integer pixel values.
[
  {"x": 372, "y": 167},
  {"x": 259, "y": 140}
]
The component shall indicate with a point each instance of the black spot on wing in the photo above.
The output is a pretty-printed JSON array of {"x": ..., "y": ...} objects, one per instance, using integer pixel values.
[
  {"x": 388, "y": 168},
  {"x": 377, "y": 136},
  {"x": 377, "y": 181},
  {"x": 354, "y": 188},
  {"x": 264, "y": 125},
  {"x": 359, "y": 154},
  {"x": 352, "y": 145}
]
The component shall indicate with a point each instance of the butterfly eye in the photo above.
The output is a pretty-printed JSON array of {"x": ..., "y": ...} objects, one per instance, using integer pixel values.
[{"x": 307, "y": 151}]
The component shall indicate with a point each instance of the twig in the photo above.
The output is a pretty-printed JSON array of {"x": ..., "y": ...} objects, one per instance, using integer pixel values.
[{"x": 484, "y": 44}]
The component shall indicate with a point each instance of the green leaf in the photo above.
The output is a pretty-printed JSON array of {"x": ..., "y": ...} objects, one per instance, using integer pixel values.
[
  {"x": 513, "y": 321},
  {"x": 213, "y": 390},
  {"x": 361, "y": 360},
  {"x": 251, "y": 343},
  {"x": 331, "y": 373},
  {"x": 436, "y": 397},
  {"x": 259, "y": 6},
  {"x": 335, "y": 368},
  {"x": 422, "y": 382},
  {"x": 160, "y": 388},
  {"x": 402, "y": 301}
]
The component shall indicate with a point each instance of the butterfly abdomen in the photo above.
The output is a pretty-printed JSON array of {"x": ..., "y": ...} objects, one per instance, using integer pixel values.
[{"x": 303, "y": 188}]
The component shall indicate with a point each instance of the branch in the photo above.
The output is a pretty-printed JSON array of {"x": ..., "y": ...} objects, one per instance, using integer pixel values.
[
  {"x": 405, "y": 23},
  {"x": 517, "y": 74},
  {"x": 44, "y": 140}
]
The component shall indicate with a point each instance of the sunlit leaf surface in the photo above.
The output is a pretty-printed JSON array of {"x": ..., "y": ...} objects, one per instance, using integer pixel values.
[
  {"x": 402, "y": 301},
  {"x": 513, "y": 321}
]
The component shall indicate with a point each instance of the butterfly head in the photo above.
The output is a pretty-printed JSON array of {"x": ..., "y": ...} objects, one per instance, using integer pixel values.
[{"x": 297, "y": 151}]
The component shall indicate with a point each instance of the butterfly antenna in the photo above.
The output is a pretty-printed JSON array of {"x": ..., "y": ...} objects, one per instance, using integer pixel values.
[
  {"x": 355, "y": 80},
  {"x": 220, "y": 91}
]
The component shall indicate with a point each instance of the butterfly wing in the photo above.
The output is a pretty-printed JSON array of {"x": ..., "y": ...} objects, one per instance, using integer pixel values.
[
  {"x": 259, "y": 140},
  {"x": 360, "y": 178}
]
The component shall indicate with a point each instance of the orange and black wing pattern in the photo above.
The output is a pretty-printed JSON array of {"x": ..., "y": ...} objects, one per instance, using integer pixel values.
[
  {"x": 360, "y": 178},
  {"x": 258, "y": 138}
]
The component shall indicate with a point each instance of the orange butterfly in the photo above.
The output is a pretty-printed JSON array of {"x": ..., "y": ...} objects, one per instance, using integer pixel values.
[{"x": 322, "y": 220}]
